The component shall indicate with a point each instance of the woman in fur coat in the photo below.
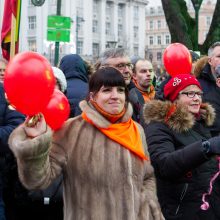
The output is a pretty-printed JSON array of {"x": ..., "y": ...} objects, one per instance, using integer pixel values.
[
  {"x": 102, "y": 155},
  {"x": 182, "y": 150}
]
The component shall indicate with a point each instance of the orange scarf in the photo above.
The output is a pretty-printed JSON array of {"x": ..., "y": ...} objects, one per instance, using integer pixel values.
[
  {"x": 125, "y": 133},
  {"x": 111, "y": 117},
  {"x": 146, "y": 95}
]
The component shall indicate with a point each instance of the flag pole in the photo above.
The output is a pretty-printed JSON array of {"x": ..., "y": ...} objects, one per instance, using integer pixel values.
[{"x": 13, "y": 33}]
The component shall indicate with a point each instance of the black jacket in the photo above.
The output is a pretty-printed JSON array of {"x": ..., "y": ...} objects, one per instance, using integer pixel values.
[
  {"x": 182, "y": 169},
  {"x": 75, "y": 71},
  {"x": 211, "y": 95}
]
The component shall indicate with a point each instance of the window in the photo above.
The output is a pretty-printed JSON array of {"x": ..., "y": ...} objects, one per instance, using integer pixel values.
[
  {"x": 108, "y": 9},
  {"x": 136, "y": 12},
  {"x": 208, "y": 21},
  {"x": 159, "y": 40},
  {"x": 95, "y": 26},
  {"x": 95, "y": 49},
  {"x": 79, "y": 47},
  {"x": 151, "y": 25},
  {"x": 159, "y": 24},
  {"x": 32, "y": 22},
  {"x": 151, "y": 40},
  {"x": 167, "y": 39},
  {"x": 120, "y": 30},
  {"x": 32, "y": 44},
  {"x": 151, "y": 10},
  {"x": 135, "y": 32},
  {"x": 120, "y": 10},
  {"x": 95, "y": 6},
  {"x": 159, "y": 56},
  {"x": 107, "y": 28},
  {"x": 159, "y": 9},
  {"x": 135, "y": 51}
]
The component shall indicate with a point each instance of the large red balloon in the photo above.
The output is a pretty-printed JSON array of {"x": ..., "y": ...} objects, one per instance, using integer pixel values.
[
  {"x": 177, "y": 59},
  {"x": 29, "y": 82},
  {"x": 57, "y": 110}
]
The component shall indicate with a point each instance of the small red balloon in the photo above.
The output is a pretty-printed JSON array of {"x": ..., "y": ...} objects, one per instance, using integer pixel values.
[
  {"x": 177, "y": 59},
  {"x": 29, "y": 82},
  {"x": 57, "y": 110}
]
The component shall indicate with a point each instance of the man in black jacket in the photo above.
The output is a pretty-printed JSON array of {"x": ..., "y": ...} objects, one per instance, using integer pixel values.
[{"x": 209, "y": 80}]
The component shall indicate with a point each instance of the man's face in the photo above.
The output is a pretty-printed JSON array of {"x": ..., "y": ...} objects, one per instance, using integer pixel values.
[
  {"x": 2, "y": 71},
  {"x": 214, "y": 60},
  {"x": 143, "y": 74},
  {"x": 122, "y": 64}
]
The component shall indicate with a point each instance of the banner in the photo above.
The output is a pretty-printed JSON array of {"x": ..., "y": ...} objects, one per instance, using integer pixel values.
[{"x": 10, "y": 28}]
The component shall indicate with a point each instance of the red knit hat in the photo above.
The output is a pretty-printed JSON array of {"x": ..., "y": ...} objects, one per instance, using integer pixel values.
[{"x": 177, "y": 84}]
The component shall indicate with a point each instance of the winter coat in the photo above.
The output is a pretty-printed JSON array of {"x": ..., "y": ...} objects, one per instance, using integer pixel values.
[
  {"x": 102, "y": 180},
  {"x": 182, "y": 169},
  {"x": 211, "y": 94},
  {"x": 75, "y": 71},
  {"x": 9, "y": 120}
]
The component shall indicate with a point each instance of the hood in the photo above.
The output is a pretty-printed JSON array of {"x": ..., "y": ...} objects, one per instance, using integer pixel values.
[
  {"x": 73, "y": 66},
  {"x": 176, "y": 117},
  {"x": 202, "y": 69}
]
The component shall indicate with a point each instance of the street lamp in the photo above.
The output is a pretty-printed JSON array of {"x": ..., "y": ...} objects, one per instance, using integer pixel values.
[
  {"x": 78, "y": 21},
  {"x": 196, "y": 5}
]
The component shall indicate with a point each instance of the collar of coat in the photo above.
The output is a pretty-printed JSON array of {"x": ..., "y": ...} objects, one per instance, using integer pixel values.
[
  {"x": 99, "y": 120},
  {"x": 180, "y": 120}
]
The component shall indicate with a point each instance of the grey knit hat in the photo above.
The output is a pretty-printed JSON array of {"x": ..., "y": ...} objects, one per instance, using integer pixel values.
[{"x": 59, "y": 75}]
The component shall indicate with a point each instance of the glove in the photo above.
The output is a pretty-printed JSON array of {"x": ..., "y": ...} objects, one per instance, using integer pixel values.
[{"x": 212, "y": 146}]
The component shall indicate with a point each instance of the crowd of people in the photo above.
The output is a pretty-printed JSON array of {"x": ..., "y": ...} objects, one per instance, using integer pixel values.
[{"x": 135, "y": 146}]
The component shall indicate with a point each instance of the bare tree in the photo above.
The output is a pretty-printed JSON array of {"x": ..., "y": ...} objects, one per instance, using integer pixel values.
[{"x": 183, "y": 27}]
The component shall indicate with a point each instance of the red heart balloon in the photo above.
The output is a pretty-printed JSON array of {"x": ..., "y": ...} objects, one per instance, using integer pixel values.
[
  {"x": 177, "y": 59},
  {"x": 57, "y": 110},
  {"x": 29, "y": 82}
]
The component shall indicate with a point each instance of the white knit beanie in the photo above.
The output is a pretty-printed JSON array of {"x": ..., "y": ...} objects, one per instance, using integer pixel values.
[{"x": 59, "y": 75}]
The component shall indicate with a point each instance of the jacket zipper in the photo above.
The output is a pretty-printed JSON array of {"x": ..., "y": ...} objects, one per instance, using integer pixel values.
[{"x": 183, "y": 193}]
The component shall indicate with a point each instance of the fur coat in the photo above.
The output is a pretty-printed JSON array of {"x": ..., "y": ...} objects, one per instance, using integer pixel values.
[{"x": 102, "y": 180}]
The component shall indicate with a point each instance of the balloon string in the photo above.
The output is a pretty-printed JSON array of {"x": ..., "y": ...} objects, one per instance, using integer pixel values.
[{"x": 205, "y": 205}]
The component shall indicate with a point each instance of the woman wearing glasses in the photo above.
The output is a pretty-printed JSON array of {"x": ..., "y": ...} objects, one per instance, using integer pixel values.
[
  {"x": 102, "y": 155},
  {"x": 182, "y": 150}
]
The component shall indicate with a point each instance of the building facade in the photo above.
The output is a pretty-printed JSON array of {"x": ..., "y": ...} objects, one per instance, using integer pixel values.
[{"x": 96, "y": 25}]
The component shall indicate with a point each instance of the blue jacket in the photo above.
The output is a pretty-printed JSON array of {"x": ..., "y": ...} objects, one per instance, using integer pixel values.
[
  {"x": 9, "y": 119},
  {"x": 75, "y": 70}
]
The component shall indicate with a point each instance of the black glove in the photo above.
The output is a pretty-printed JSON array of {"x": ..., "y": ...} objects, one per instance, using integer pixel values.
[{"x": 212, "y": 146}]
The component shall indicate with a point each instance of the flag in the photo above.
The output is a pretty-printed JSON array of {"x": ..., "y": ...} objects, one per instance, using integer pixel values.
[{"x": 11, "y": 7}]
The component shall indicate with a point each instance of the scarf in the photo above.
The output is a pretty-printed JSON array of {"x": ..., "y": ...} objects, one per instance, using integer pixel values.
[
  {"x": 147, "y": 95},
  {"x": 124, "y": 133},
  {"x": 111, "y": 117}
]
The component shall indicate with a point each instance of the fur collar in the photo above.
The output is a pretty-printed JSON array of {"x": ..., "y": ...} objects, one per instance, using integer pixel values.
[
  {"x": 180, "y": 119},
  {"x": 98, "y": 119}
]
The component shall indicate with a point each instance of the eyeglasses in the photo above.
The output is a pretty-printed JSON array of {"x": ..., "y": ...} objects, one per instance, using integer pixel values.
[
  {"x": 122, "y": 66},
  {"x": 191, "y": 94}
]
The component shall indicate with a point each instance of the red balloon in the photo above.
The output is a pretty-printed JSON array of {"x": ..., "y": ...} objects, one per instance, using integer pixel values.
[
  {"x": 177, "y": 59},
  {"x": 29, "y": 82},
  {"x": 57, "y": 110}
]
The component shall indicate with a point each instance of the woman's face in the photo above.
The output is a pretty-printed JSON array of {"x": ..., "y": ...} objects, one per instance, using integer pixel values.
[
  {"x": 191, "y": 96},
  {"x": 110, "y": 99}
]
